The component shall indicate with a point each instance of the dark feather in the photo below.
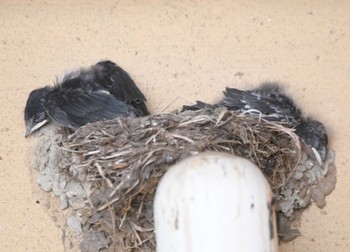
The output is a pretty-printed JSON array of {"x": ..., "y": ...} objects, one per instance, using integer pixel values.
[
  {"x": 269, "y": 100},
  {"x": 78, "y": 107},
  {"x": 108, "y": 75},
  {"x": 199, "y": 105}
]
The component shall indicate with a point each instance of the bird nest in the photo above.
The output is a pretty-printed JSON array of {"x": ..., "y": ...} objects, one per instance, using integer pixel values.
[{"x": 108, "y": 171}]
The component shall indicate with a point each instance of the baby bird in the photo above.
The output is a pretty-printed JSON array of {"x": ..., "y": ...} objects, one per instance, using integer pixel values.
[
  {"x": 271, "y": 103},
  {"x": 267, "y": 101},
  {"x": 102, "y": 92}
]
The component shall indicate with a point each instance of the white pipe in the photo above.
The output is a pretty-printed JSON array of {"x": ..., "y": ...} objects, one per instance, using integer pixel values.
[{"x": 214, "y": 202}]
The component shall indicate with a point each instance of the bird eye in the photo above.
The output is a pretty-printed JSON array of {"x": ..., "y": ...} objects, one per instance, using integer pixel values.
[{"x": 40, "y": 116}]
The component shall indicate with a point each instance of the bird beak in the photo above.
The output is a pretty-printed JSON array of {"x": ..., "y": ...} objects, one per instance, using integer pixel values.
[
  {"x": 31, "y": 128},
  {"x": 28, "y": 131},
  {"x": 317, "y": 156}
]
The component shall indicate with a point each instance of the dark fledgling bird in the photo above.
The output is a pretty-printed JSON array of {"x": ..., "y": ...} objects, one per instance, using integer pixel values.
[
  {"x": 102, "y": 92},
  {"x": 267, "y": 101},
  {"x": 271, "y": 103}
]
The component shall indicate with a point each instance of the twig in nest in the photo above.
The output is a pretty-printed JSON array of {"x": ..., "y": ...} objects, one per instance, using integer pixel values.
[{"x": 100, "y": 171}]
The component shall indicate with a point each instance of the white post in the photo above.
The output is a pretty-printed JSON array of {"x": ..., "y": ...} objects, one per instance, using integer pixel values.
[{"x": 214, "y": 202}]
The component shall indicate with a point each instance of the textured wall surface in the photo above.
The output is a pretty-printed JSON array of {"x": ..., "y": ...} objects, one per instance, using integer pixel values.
[{"x": 177, "y": 52}]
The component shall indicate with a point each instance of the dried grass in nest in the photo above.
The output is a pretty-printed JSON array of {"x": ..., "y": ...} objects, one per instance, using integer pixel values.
[{"x": 123, "y": 160}]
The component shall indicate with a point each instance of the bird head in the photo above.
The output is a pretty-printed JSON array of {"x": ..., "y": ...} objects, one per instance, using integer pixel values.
[
  {"x": 34, "y": 113},
  {"x": 314, "y": 134}
]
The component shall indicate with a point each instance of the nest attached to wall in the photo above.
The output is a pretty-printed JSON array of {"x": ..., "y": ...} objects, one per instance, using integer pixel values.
[{"x": 119, "y": 163}]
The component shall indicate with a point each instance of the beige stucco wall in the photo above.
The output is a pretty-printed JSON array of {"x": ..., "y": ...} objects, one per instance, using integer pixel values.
[{"x": 175, "y": 49}]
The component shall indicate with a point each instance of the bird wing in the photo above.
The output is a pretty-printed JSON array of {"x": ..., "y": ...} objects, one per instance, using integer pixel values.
[
  {"x": 199, "y": 105},
  {"x": 120, "y": 84},
  {"x": 272, "y": 105},
  {"x": 235, "y": 99},
  {"x": 76, "y": 107}
]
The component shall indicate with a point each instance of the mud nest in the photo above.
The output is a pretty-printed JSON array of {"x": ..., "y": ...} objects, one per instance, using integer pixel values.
[{"x": 112, "y": 169}]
